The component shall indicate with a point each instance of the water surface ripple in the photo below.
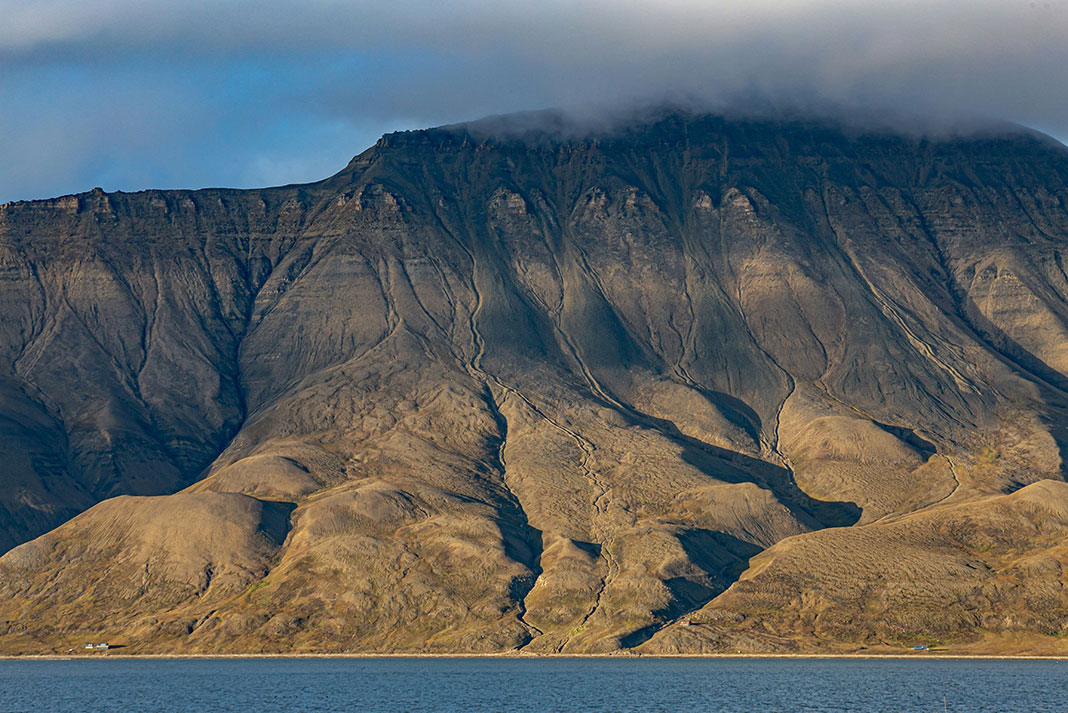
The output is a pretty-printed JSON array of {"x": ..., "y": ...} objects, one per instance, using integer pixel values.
[{"x": 542, "y": 685}]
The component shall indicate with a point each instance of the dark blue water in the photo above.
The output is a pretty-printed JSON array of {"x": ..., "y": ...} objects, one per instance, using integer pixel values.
[{"x": 542, "y": 685}]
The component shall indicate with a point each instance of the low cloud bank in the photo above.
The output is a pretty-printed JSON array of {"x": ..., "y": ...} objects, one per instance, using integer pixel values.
[{"x": 343, "y": 69}]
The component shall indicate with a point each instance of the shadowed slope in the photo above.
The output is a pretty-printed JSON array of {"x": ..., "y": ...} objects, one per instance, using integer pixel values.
[
  {"x": 534, "y": 393},
  {"x": 963, "y": 574}
]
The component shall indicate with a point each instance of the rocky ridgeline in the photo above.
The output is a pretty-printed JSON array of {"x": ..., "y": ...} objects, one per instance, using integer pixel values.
[{"x": 691, "y": 385}]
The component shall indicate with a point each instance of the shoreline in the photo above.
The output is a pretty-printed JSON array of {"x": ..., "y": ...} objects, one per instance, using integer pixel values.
[{"x": 530, "y": 657}]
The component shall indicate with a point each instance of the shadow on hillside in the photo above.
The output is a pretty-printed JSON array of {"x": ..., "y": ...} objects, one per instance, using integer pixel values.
[
  {"x": 721, "y": 558},
  {"x": 1052, "y": 385},
  {"x": 734, "y": 467}
]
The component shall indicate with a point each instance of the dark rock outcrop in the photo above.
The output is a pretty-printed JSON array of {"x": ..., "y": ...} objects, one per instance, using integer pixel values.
[{"x": 533, "y": 392}]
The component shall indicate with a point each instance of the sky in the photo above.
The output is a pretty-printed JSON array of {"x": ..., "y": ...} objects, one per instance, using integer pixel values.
[{"x": 134, "y": 94}]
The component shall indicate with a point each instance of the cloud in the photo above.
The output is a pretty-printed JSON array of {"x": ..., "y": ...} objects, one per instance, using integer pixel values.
[{"x": 314, "y": 75}]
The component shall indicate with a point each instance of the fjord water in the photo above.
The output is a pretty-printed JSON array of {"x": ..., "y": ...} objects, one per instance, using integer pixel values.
[{"x": 543, "y": 685}]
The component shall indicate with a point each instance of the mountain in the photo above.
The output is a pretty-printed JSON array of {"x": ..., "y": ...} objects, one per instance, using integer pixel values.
[{"x": 689, "y": 384}]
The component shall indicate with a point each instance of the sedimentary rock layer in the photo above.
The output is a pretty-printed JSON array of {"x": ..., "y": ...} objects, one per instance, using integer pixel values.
[{"x": 486, "y": 392}]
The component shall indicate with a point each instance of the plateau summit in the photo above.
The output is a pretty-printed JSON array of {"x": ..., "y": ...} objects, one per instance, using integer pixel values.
[{"x": 688, "y": 385}]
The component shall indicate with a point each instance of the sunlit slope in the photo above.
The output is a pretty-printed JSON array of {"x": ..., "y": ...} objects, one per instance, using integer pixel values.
[{"x": 528, "y": 392}]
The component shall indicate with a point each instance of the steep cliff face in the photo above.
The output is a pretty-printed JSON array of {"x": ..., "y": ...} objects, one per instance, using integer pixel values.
[{"x": 528, "y": 391}]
